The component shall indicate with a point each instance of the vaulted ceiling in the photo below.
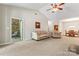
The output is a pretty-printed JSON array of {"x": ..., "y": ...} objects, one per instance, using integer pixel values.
[{"x": 71, "y": 10}]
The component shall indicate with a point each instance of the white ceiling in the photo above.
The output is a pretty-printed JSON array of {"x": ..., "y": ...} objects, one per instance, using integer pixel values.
[{"x": 35, "y": 6}]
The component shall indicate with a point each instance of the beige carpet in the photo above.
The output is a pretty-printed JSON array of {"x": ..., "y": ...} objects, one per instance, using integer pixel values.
[{"x": 47, "y": 47}]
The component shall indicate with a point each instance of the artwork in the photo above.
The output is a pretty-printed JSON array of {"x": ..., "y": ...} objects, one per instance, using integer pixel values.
[
  {"x": 15, "y": 28},
  {"x": 37, "y": 25},
  {"x": 55, "y": 27}
]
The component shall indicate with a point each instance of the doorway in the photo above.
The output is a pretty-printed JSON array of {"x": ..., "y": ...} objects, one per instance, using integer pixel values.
[{"x": 16, "y": 29}]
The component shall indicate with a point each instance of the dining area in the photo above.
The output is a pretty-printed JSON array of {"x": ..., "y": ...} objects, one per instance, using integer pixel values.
[{"x": 72, "y": 33}]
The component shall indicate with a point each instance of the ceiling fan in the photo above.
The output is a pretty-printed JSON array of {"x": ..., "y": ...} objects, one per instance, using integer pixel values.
[{"x": 56, "y": 7}]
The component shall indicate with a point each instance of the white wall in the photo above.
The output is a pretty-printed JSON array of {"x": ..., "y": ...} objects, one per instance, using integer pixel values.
[{"x": 28, "y": 17}]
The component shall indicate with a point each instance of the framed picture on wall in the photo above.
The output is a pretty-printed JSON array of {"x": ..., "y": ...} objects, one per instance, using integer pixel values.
[
  {"x": 55, "y": 27},
  {"x": 37, "y": 25}
]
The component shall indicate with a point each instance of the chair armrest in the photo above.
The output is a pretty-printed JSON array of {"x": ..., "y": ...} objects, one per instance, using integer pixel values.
[{"x": 34, "y": 35}]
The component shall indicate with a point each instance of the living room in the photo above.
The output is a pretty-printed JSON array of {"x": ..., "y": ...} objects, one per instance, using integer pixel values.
[{"x": 37, "y": 25}]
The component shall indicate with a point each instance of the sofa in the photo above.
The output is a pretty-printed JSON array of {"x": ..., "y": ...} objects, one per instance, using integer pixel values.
[
  {"x": 56, "y": 34},
  {"x": 39, "y": 35}
]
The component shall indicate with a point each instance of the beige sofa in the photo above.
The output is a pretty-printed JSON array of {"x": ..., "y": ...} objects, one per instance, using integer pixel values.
[
  {"x": 38, "y": 35},
  {"x": 56, "y": 34}
]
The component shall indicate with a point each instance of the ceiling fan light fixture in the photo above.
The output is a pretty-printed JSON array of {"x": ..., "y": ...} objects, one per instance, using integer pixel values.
[{"x": 56, "y": 7}]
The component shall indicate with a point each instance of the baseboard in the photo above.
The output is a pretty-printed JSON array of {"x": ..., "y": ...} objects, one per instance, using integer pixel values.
[{"x": 6, "y": 43}]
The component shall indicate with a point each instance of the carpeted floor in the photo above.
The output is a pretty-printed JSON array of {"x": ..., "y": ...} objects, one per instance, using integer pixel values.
[{"x": 47, "y": 47}]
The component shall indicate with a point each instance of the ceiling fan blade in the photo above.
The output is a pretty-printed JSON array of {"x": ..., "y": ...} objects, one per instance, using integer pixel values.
[
  {"x": 61, "y": 4},
  {"x": 60, "y": 8}
]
